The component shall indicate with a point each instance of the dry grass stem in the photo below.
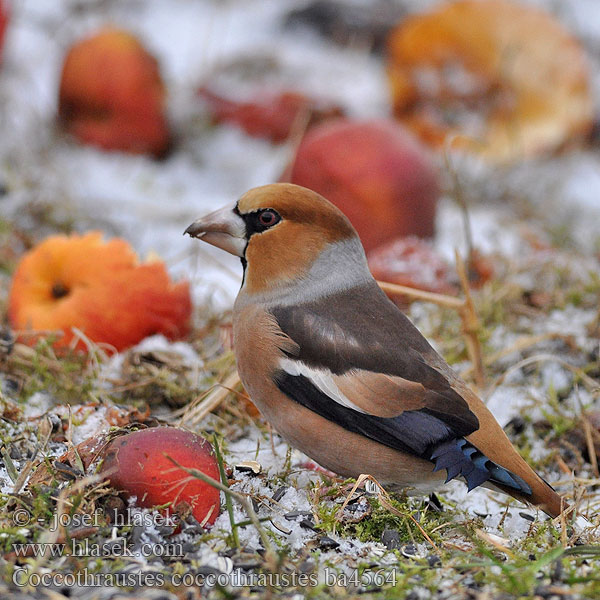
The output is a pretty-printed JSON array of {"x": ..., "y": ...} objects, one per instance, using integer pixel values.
[
  {"x": 212, "y": 400},
  {"x": 470, "y": 323},
  {"x": 495, "y": 541},
  {"x": 297, "y": 131},
  {"x": 384, "y": 499},
  {"x": 591, "y": 448}
]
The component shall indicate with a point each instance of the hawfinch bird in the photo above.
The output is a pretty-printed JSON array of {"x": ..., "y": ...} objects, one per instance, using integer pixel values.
[{"x": 338, "y": 369}]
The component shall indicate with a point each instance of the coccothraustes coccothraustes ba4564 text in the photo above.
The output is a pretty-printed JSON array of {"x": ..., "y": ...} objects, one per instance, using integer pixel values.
[{"x": 338, "y": 369}]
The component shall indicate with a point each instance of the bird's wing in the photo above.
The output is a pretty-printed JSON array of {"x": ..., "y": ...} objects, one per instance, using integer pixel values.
[{"x": 356, "y": 360}]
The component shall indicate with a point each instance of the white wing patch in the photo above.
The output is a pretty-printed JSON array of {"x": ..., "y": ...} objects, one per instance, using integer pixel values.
[{"x": 321, "y": 379}]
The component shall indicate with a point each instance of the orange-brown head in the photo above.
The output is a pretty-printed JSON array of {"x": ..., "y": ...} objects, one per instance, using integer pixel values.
[{"x": 285, "y": 235}]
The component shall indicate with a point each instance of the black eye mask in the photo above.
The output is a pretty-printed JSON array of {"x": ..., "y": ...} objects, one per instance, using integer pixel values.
[{"x": 260, "y": 220}]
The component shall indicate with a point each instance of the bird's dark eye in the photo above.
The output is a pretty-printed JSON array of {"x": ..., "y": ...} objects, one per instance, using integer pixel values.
[
  {"x": 260, "y": 220},
  {"x": 268, "y": 217}
]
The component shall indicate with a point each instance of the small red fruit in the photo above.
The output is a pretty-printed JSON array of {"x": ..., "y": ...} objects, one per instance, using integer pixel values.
[
  {"x": 376, "y": 172},
  {"x": 112, "y": 95},
  {"x": 137, "y": 464}
]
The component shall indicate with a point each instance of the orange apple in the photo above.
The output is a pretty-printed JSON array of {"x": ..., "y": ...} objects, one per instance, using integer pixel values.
[
  {"x": 112, "y": 95},
  {"x": 98, "y": 287},
  {"x": 376, "y": 172}
]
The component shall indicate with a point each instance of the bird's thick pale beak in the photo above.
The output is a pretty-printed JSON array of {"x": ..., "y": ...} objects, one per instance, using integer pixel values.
[{"x": 223, "y": 228}]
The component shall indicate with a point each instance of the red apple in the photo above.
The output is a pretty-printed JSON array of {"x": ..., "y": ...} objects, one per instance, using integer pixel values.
[
  {"x": 137, "y": 464},
  {"x": 112, "y": 95},
  {"x": 376, "y": 172},
  {"x": 270, "y": 116}
]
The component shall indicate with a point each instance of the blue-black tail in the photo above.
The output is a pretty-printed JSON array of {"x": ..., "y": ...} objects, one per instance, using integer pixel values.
[{"x": 460, "y": 458}]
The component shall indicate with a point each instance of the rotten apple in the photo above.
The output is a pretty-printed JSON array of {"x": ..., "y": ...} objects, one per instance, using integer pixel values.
[{"x": 98, "y": 287}]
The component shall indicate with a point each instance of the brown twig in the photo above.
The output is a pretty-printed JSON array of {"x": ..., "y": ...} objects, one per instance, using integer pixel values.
[{"x": 393, "y": 289}]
